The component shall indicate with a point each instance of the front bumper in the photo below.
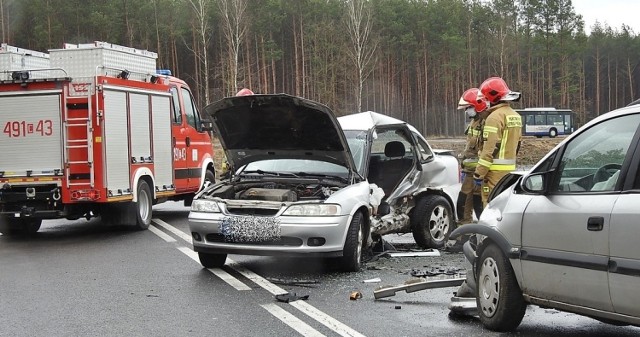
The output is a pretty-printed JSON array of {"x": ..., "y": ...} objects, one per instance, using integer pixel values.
[{"x": 298, "y": 236}]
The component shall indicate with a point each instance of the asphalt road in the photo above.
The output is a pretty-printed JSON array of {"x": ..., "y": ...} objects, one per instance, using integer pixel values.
[{"x": 79, "y": 278}]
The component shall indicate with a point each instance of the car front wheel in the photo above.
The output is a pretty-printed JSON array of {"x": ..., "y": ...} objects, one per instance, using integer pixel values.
[
  {"x": 352, "y": 253},
  {"x": 212, "y": 260},
  {"x": 431, "y": 221},
  {"x": 501, "y": 306}
]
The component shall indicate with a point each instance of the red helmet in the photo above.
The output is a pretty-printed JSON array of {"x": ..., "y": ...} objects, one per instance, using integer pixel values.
[
  {"x": 495, "y": 89},
  {"x": 470, "y": 98},
  {"x": 244, "y": 92}
]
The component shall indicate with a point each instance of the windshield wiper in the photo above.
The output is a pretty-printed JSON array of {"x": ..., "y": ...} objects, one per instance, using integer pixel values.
[
  {"x": 320, "y": 175},
  {"x": 271, "y": 173}
]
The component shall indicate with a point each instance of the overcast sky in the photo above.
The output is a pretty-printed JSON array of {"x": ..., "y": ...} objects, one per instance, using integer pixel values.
[{"x": 613, "y": 12}]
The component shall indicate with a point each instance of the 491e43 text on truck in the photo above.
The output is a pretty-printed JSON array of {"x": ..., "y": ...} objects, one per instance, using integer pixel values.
[{"x": 94, "y": 130}]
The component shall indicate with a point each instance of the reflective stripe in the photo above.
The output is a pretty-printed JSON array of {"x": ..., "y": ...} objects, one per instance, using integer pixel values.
[
  {"x": 504, "y": 161},
  {"x": 499, "y": 167},
  {"x": 503, "y": 143},
  {"x": 470, "y": 163},
  {"x": 475, "y": 132},
  {"x": 484, "y": 163},
  {"x": 492, "y": 129}
]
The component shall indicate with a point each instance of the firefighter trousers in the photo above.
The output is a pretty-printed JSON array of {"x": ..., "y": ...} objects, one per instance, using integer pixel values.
[
  {"x": 469, "y": 200},
  {"x": 490, "y": 181}
]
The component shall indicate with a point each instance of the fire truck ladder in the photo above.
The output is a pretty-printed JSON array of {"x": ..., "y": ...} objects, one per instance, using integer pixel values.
[{"x": 74, "y": 123}]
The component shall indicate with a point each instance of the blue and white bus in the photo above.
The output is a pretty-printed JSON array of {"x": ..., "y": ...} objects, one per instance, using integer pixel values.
[{"x": 550, "y": 122}]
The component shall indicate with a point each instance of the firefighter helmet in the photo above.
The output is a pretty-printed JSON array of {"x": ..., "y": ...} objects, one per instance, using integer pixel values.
[
  {"x": 470, "y": 98},
  {"x": 244, "y": 92},
  {"x": 495, "y": 89}
]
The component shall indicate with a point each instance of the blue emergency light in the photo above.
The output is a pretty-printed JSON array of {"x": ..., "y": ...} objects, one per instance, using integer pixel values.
[{"x": 165, "y": 72}]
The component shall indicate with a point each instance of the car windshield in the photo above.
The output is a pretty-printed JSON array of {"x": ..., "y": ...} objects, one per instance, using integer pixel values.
[{"x": 357, "y": 140}]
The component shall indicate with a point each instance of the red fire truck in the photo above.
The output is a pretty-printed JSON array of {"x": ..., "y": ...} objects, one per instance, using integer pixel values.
[{"x": 98, "y": 133}]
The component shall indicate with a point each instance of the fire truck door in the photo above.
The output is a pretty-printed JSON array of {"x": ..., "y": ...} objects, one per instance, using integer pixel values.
[
  {"x": 197, "y": 140},
  {"x": 181, "y": 171}
]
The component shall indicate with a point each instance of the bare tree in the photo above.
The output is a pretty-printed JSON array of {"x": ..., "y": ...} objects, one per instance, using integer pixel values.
[
  {"x": 359, "y": 27},
  {"x": 234, "y": 29},
  {"x": 200, "y": 8}
]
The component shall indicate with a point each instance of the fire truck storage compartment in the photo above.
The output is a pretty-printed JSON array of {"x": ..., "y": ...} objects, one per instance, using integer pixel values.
[
  {"x": 162, "y": 156},
  {"x": 116, "y": 144},
  {"x": 15, "y": 59},
  {"x": 83, "y": 60},
  {"x": 31, "y": 141},
  {"x": 130, "y": 115}
]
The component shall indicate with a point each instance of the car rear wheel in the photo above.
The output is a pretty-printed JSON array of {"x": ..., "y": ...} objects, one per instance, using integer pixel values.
[
  {"x": 431, "y": 221},
  {"x": 212, "y": 260},
  {"x": 351, "y": 259},
  {"x": 501, "y": 306}
]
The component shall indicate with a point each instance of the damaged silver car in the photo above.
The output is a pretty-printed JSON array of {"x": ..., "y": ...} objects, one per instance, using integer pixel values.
[
  {"x": 563, "y": 235},
  {"x": 305, "y": 183}
]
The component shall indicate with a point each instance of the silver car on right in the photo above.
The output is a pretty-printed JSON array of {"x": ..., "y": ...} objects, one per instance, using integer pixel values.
[{"x": 565, "y": 234}]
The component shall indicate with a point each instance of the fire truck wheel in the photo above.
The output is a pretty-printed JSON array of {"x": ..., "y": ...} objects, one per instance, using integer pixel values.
[
  {"x": 7, "y": 228},
  {"x": 16, "y": 226},
  {"x": 143, "y": 205},
  {"x": 31, "y": 226},
  {"x": 210, "y": 177}
]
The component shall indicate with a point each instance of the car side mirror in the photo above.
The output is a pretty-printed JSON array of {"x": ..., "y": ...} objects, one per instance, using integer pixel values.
[{"x": 535, "y": 183}]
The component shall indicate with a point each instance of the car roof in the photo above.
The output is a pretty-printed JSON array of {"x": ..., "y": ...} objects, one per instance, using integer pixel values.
[{"x": 368, "y": 120}]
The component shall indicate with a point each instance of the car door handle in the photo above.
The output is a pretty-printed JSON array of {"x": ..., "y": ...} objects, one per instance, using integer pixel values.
[
  {"x": 188, "y": 141},
  {"x": 595, "y": 223}
]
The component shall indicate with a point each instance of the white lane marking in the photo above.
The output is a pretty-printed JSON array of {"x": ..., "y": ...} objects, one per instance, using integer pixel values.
[
  {"x": 223, "y": 275},
  {"x": 326, "y": 320},
  {"x": 161, "y": 234},
  {"x": 291, "y": 320},
  {"x": 257, "y": 279},
  {"x": 173, "y": 230}
]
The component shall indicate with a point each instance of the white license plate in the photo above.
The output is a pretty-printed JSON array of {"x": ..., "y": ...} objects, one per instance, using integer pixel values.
[{"x": 250, "y": 229}]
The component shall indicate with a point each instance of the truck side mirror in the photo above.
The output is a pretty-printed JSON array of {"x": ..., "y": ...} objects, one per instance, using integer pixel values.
[{"x": 207, "y": 125}]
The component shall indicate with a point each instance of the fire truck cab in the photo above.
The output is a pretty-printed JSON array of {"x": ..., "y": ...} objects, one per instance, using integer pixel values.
[{"x": 99, "y": 132}]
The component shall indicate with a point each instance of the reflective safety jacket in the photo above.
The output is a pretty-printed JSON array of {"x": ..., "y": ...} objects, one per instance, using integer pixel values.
[
  {"x": 469, "y": 158},
  {"x": 501, "y": 137}
]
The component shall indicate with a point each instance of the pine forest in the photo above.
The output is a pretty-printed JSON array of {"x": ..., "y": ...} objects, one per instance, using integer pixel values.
[{"x": 410, "y": 59}]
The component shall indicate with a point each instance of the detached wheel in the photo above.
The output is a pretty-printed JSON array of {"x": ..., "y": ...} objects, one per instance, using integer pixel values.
[
  {"x": 212, "y": 260},
  {"x": 143, "y": 206},
  {"x": 351, "y": 259},
  {"x": 431, "y": 221},
  {"x": 501, "y": 306}
]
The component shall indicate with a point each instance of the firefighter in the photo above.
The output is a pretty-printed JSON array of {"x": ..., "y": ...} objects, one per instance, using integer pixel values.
[
  {"x": 469, "y": 199},
  {"x": 501, "y": 136}
]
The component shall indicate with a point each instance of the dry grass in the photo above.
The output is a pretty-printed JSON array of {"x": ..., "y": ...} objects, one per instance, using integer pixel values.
[{"x": 532, "y": 149}]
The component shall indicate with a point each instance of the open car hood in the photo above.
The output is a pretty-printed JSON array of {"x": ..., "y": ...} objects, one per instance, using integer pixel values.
[{"x": 280, "y": 126}]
